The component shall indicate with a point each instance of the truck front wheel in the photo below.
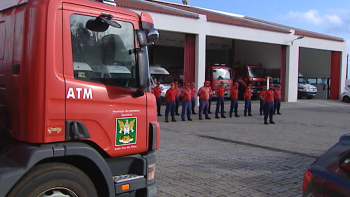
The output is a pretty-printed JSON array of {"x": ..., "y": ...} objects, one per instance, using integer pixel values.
[{"x": 54, "y": 179}]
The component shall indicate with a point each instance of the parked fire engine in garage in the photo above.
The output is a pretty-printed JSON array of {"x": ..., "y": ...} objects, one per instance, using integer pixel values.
[
  {"x": 250, "y": 74},
  {"x": 66, "y": 131},
  {"x": 217, "y": 73}
]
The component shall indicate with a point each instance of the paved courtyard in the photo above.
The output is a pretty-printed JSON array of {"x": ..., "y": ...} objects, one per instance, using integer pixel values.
[{"x": 242, "y": 156}]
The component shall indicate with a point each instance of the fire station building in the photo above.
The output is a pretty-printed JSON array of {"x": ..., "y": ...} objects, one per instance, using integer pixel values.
[{"x": 193, "y": 37}]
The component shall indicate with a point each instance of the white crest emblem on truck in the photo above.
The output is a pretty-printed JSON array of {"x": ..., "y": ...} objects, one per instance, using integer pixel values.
[{"x": 125, "y": 131}]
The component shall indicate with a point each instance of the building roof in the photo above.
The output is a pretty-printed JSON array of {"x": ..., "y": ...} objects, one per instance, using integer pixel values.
[{"x": 188, "y": 11}]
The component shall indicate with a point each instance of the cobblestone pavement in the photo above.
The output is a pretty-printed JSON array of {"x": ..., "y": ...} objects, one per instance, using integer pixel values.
[{"x": 242, "y": 156}]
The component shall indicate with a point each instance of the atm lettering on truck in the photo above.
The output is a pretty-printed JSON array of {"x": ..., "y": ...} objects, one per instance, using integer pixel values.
[{"x": 79, "y": 93}]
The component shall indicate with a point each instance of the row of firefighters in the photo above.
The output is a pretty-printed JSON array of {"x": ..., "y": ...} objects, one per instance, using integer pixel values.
[{"x": 270, "y": 101}]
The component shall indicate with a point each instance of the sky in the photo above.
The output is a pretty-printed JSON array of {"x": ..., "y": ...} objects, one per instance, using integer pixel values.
[{"x": 322, "y": 16}]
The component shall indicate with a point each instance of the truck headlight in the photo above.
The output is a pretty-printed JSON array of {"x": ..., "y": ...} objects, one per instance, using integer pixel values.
[{"x": 151, "y": 171}]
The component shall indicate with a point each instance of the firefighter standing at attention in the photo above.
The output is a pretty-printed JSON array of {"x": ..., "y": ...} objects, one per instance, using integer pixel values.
[
  {"x": 248, "y": 101},
  {"x": 170, "y": 103},
  {"x": 203, "y": 94},
  {"x": 234, "y": 99},
  {"x": 210, "y": 97},
  {"x": 177, "y": 98},
  {"x": 193, "y": 100},
  {"x": 268, "y": 106},
  {"x": 220, "y": 91},
  {"x": 157, "y": 93},
  {"x": 186, "y": 102},
  {"x": 262, "y": 101},
  {"x": 277, "y": 100}
]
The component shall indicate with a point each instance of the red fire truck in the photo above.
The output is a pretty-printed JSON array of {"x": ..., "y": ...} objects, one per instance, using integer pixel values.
[
  {"x": 219, "y": 72},
  {"x": 250, "y": 74},
  {"x": 66, "y": 131}
]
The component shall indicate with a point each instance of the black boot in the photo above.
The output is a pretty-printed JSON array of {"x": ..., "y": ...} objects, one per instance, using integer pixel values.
[
  {"x": 159, "y": 115},
  {"x": 223, "y": 116},
  {"x": 166, "y": 120},
  {"x": 236, "y": 115},
  {"x": 231, "y": 115},
  {"x": 217, "y": 117},
  {"x": 189, "y": 119},
  {"x": 272, "y": 122},
  {"x": 250, "y": 114},
  {"x": 265, "y": 122}
]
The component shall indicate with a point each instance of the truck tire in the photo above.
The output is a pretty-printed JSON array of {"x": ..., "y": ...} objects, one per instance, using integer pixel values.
[
  {"x": 346, "y": 99},
  {"x": 54, "y": 179},
  {"x": 309, "y": 97}
]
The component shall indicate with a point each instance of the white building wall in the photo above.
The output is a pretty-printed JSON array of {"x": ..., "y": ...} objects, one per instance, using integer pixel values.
[{"x": 292, "y": 73}]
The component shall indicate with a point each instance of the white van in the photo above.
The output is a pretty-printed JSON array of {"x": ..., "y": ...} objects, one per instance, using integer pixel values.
[
  {"x": 161, "y": 75},
  {"x": 305, "y": 89},
  {"x": 83, "y": 71}
]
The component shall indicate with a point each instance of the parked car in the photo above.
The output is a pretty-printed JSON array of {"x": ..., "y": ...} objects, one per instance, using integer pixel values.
[
  {"x": 329, "y": 175},
  {"x": 345, "y": 96}
]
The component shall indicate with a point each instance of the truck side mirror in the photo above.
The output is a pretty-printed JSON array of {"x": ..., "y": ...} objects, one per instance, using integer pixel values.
[
  {"x": 142, "y": 71},
  {"x": 142, "y": 39}
]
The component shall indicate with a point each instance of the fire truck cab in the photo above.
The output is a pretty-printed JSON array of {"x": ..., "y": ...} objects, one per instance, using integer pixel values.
[
  {"x": 65, "y": 131},
  {"x": 219, "y": 72}
]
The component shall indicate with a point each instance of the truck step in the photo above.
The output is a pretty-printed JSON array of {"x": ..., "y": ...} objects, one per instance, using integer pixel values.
[{"x": 126, "y": 177}]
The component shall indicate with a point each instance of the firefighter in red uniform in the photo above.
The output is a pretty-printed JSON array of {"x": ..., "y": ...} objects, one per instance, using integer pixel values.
[
  {"x": 262, "y": 101},
  {"x": 210, "y": 97},
  {"x": 220, "y": 90},
  {"x": 234, "y": 99},
  {"x": 248, "y": 101},
  {"x": 268, "y": 106},
  {"x": 170, "y": 103},
  {"x": 177, "y": 98},
  {"x": 193, "y": 100},
  {"x": 157, "y": 93},
  {"x": 277, "y": 100},
  {"x": 186, "y": 102},
  {"x": 203, "y": 94}
]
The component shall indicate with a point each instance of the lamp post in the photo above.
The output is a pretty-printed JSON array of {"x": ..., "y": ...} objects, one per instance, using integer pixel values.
[{"x": 298, "y": 38}]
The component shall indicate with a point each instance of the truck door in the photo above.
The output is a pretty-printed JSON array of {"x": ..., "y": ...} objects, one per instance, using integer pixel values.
[{"x": 100, "y": 108}]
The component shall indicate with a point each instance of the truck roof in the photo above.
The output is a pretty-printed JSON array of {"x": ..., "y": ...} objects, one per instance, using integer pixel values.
[
  {"x": 6, "y": 4},
  {"x": 158, "y": 70},
  {"x": 118, "y": 69},
  {"x": 81, "y": 66}
]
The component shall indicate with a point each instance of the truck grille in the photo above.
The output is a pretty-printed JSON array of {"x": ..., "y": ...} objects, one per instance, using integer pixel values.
[{"x": 126, "y": 177}]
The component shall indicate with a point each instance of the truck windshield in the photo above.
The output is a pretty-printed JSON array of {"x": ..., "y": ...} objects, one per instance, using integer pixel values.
[
  {"x": 257, "y": 72},
  {"x": 162, "y": 78},
  {"x": 112, "y": 46},
  {"x": 221, "y": 73}
]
